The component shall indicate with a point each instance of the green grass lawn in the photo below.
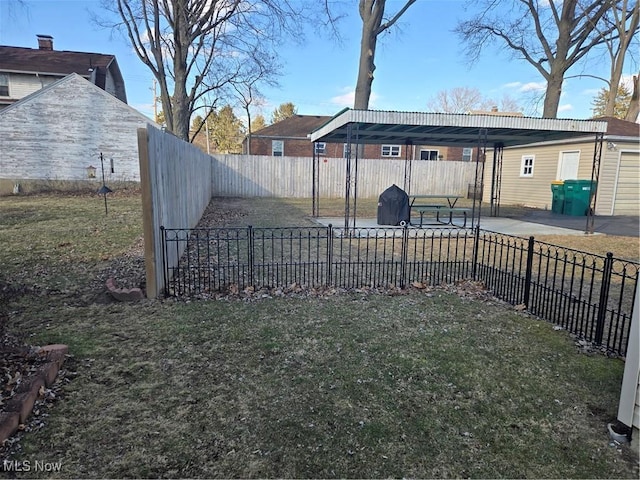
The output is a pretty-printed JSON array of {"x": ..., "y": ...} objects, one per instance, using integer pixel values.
[{"x": 426, "y": 383}]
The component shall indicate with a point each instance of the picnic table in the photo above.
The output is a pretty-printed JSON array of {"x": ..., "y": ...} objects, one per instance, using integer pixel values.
[{"x": 435, "y": 203}]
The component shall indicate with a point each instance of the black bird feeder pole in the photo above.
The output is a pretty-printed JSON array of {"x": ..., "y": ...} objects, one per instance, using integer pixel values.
[{"x": 104, "y": 189}]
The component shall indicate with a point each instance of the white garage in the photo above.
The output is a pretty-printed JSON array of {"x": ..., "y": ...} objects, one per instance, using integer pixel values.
[{"x": 526, "y": 172}]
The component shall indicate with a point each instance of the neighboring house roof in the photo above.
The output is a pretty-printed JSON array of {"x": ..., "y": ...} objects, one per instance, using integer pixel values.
[
  {"x": 295, "y": 127},
  {"x": 92, "y": 66},
  {"x": 50, "y": 62},
  {"x": 618, "y": 127}
]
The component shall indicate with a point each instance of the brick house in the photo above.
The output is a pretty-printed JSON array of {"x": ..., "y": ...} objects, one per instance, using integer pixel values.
[
  {"x": 24, "y": 71},
  {"x": 289, "y": 138}
]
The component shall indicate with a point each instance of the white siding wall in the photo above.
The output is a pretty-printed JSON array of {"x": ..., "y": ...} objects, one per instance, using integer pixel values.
[
  {"x": 254, "y": 175},
  {"x": 21, "y": 85},
  {"x": 58, "y": 133}
]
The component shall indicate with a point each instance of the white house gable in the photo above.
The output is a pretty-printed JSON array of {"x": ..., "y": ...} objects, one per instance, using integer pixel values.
[{"x": 60, "y": 131}]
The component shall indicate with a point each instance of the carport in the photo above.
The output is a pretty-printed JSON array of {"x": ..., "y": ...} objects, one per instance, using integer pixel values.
[{"x": 483, "y": 132}]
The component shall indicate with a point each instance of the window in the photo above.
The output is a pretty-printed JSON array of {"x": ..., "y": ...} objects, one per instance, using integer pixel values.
[
  {"x": 390, "y": 150},
  {"x": 467, "y": 154},
  {"x": 429, "y": 154},
  {"x": 4, "y": 85},
  {"x": 526, "y": 167},
  {"x": 277, "y": 148},
  {"x": 321, "y": 148}
]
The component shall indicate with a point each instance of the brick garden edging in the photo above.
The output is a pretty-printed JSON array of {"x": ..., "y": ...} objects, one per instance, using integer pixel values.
[
  {"x": 124, "y": 294},
  {"x": 19, "y": 407}
]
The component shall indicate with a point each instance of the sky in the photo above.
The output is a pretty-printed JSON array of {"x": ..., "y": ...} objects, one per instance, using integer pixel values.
[{"x": 418, "y": 59}]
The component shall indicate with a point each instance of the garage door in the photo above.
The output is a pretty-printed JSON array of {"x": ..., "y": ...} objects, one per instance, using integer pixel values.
[{"x": 627, "y": 200}]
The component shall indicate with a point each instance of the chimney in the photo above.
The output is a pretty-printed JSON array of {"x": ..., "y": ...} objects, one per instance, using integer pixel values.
[
  {"x": 494, "y": 109},
  {"x": 45, "y": 42}
]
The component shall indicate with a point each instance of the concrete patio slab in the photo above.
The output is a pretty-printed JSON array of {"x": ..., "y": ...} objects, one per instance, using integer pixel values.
[{"x": 507, "y": 226}]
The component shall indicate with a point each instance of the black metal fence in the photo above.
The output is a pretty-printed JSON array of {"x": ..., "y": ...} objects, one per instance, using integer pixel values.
[{"x": 589, "y": 295}]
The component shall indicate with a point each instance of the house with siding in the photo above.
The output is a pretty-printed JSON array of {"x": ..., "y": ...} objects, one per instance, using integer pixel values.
[
  {"x": 289, "y": 137},
  {"x": 58, "y": 133},
  {"x": 527, "y": 171},
  {"x": 24, "y": 71}
]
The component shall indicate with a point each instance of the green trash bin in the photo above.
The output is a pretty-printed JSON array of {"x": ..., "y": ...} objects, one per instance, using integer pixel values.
[
  {"x": 557, "y": 196},
  {"x": 577, "y": 197}
]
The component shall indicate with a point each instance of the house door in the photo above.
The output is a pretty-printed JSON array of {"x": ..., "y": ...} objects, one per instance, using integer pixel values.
[{"x": 568, "y": 165}]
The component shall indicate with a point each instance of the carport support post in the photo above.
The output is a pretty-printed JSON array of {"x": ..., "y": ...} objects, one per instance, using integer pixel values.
[
  {"x": 314, "y": 182},
  {"x": 407, "y": 167},
  {"x": 496, "y": 179},
  {"x": 355, "y": 181},
  {"x": 347, "y": 185},
  {"x": 482, "y": 149},
  {"x": 595, "y": 176},
  {"x": 351, "y": 178}
]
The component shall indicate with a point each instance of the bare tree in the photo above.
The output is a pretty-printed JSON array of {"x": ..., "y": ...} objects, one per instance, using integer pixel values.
[
  {"x": 196, "y": 48},
  {"x": 622, "y": 20},
  {"x": 372, "y": 13},
  {"x": 634, "y": 105},
  {"x": 458, "y": 100},
  {"x": 552, "y": 36},
  {"x": 465, "y": 99},
  {"x": 247, "y": 92}
]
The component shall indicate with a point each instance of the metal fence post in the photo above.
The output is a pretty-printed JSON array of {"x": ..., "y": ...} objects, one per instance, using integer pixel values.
[
  {"x": 604, "y": 297},
  {"x": 403, "y": 256},
  {"x": 165, "y": 267},
  {"x": 329, "y": 254},
  {"x": 476, "y": 245},
  {"x": 251, "y": 254},
  {"x": 528, "y": 273}
]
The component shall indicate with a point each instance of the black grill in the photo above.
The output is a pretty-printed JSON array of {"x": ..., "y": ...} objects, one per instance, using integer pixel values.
[{"x": 393, "y": 207}]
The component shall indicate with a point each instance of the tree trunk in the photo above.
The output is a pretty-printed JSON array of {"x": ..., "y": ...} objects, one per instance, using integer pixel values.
[
  {"x": 614, "y": 85},
  {"x": 366, "y": 66},
  {"x": 552, "y": 95},
  {"x": 634, "y": 107},
  {"x": 249, "y": 131},
  {"x": 372, "y": 13}
]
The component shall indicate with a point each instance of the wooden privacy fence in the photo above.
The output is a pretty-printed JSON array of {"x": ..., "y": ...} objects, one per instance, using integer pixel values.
[
  {"x": 175, "y": 179},
  {"x": 264, "y": 176}
]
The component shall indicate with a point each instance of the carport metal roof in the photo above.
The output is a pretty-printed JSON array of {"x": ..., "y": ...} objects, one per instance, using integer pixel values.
[{"x": 386, "y": 127}]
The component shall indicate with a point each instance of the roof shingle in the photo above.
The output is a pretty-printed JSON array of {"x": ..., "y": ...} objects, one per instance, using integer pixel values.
[
  {"x": 623, "y": 128},
  {"x": 297, "y": 126},
  {"x": 61, "y": 62}
]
